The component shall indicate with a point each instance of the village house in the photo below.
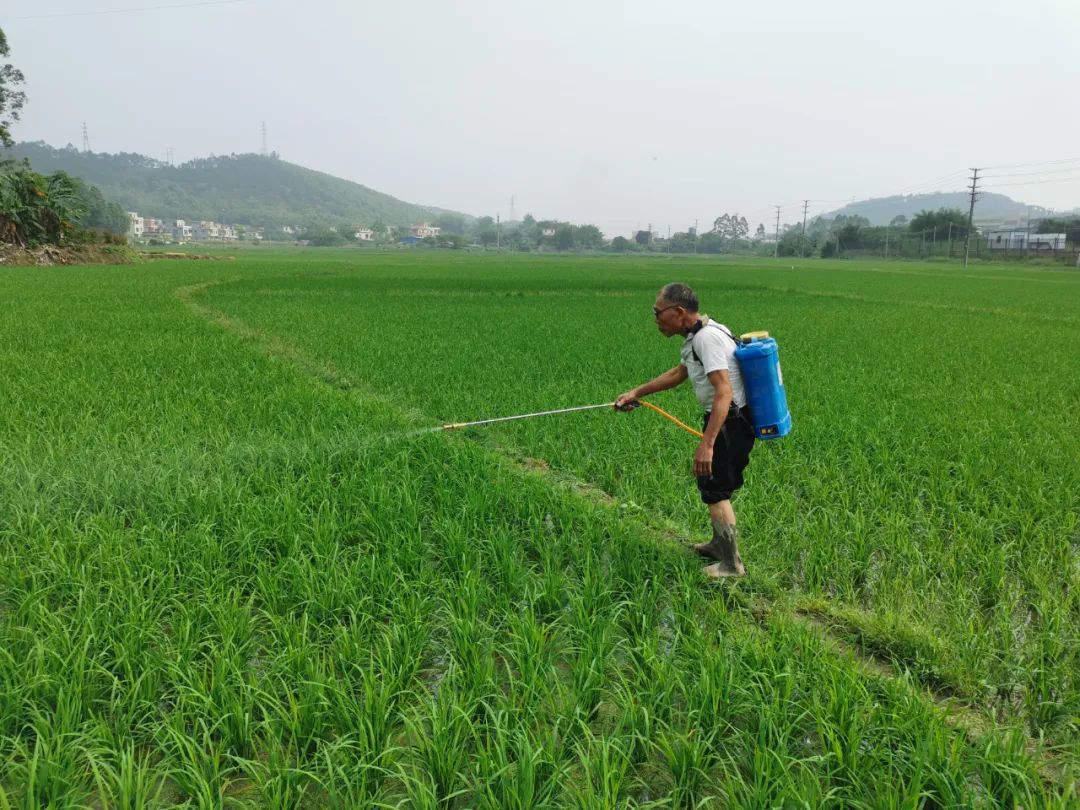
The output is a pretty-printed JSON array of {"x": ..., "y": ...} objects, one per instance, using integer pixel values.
[
  {"x": 423, "y": 230},
  {"x": 365, "y": 235},
  {"x": 136, "y": 225}
]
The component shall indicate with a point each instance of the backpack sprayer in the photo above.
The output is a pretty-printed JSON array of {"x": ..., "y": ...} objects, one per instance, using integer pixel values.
[{"x": 759, "y": 361}]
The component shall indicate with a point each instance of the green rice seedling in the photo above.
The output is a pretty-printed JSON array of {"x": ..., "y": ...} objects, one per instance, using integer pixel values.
[
  {"x": 198, "y": 765},
  {"x": 125, "y": 779},
  {"x": 442, "y": 736},
  {"x": 46, "y": 772},
  {"x": 282, "y": 783},
  {"x": 349, "y": 779},
  {"x": 688, "y": 756},
  {"x": 369, "y": 714},
  {"x": 633, "y": 719},
  {"x": 605, "y": 766},
  {"x": 518, "y": 768}
]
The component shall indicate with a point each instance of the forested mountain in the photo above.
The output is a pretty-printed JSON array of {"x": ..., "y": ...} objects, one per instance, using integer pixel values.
[
  {"x": 248, "y": 189},
  {"x": 882, "y": 210}
]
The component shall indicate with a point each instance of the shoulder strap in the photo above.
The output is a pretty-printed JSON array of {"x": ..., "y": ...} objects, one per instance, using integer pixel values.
[{"x": 698, "y": 327}]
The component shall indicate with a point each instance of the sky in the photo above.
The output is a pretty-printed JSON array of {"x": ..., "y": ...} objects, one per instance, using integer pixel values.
[{"x": 619, "y": 114}]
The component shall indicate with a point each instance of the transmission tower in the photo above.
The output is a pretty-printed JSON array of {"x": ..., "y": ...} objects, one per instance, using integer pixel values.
[
  {"x": 513, "y": 216},
  {"x": 264, "y": 139},
  {"x": 85, "y": 139}
]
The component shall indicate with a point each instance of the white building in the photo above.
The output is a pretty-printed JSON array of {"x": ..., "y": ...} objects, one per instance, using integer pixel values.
[
  {"x": 1022, "y": 240},
  {"x": 365, "y": 235},
  {"x": 136, "y": 225},
  {"x": 210, "y": 231},
  {"x": 181, "y": 231},
  {"x": 424, "y": 230}
]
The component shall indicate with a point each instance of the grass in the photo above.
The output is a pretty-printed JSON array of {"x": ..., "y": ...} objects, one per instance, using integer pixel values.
[{"x": 232, "y": 573}]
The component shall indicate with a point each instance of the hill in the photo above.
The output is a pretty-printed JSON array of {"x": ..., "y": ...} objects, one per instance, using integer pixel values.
[
  {"x": 248, "y": 189},
  {"x": 881, "y": 211}
]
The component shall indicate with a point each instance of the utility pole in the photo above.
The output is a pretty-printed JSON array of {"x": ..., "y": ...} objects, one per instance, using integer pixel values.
[
  {"x": 85, "y": 139},
  {"x": 802, "y": 248},
  {"x": 887, "y": 229},
  {"x": 776, "y": 235},
  {"x": 971, "y": 214},
  {"x": 650, "y": 234},
  {"x": 950, "y": 240},
  {"x": 1027, "y": 238},
  {"x": 513, "y": 215},
  {"x": 498, "y": 233},
  {"x": 695, "y": 234},
  {"x": 264, "y": 139}
]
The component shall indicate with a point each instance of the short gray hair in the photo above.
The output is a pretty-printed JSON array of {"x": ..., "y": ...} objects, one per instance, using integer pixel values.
[{"x": 681, "y": 295}]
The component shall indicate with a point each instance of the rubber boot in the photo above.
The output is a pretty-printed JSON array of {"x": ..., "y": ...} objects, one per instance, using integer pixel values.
[
  {"x": 724, "y": 548},
  {"x": 714, "y": 549}
]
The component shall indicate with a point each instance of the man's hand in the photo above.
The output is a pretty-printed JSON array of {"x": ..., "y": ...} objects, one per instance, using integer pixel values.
[
  {"x": 627, "y": 401},
  {"x": 703, "y": 459}
]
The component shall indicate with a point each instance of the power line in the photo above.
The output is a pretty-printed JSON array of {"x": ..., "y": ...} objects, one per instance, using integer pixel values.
[
  {"x": 127, "y": 10},
  {"x": 1036, "y": 182},
  {"x": 1038, "y": 163},
  {"x": 1036, "y": 173}
]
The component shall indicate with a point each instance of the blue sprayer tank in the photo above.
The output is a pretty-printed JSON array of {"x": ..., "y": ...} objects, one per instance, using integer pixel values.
[{"x": 759, "y": 362}]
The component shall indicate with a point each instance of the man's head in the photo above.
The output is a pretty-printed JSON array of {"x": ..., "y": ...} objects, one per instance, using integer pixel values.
[{"x": 676, "y": 309}]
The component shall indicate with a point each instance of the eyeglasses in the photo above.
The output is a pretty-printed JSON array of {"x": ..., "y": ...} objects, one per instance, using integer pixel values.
[{"x": 658, "y": 312}]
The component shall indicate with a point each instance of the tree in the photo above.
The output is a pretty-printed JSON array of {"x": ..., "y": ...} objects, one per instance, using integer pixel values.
[
  {"x": 759, "y": 234},
  {"x": 11, "y": 99},
  {"x": 731, "y": 226},
  {"x": 620, "y": 244},
  {"x": 35, "y": 209},
  {"x": 643, "y": 237},
  {"x": 682, "y": 243},
  {"x": 899, "y": 221},
  {"x": 97, "y": 212},
  {"x": 451, "y": 223},
  {"x": 588, "y": 237},
  {"x": 938, "y": 221}
]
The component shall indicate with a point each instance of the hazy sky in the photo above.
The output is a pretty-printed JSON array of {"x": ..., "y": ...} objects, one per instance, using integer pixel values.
[{"x": 616, "y": 113}]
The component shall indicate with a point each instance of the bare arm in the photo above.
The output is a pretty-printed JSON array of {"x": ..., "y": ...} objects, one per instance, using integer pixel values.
[
  {"x": 669, "y": 379},
  {"x": 722, "y": 395}
]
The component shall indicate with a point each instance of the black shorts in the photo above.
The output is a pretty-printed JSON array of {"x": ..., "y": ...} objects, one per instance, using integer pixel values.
[{"x": 730, "y": 456}]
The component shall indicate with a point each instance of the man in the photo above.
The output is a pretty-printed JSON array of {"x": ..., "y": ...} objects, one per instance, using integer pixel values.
[{"x": 708, "y": 360}]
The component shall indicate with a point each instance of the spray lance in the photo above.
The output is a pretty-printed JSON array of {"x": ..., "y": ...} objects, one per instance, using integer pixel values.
[{"x": 662, "y": 412}]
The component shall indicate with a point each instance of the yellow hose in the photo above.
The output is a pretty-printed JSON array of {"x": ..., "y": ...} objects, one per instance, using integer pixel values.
[{"x": 667, "y": 415}]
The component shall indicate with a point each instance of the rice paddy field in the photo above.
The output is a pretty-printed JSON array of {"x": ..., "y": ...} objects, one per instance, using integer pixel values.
[{"x": 238, "y": 568}]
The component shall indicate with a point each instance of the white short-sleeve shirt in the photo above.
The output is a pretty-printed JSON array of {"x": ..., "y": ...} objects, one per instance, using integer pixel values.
[{"x": 715, "y": 352}]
